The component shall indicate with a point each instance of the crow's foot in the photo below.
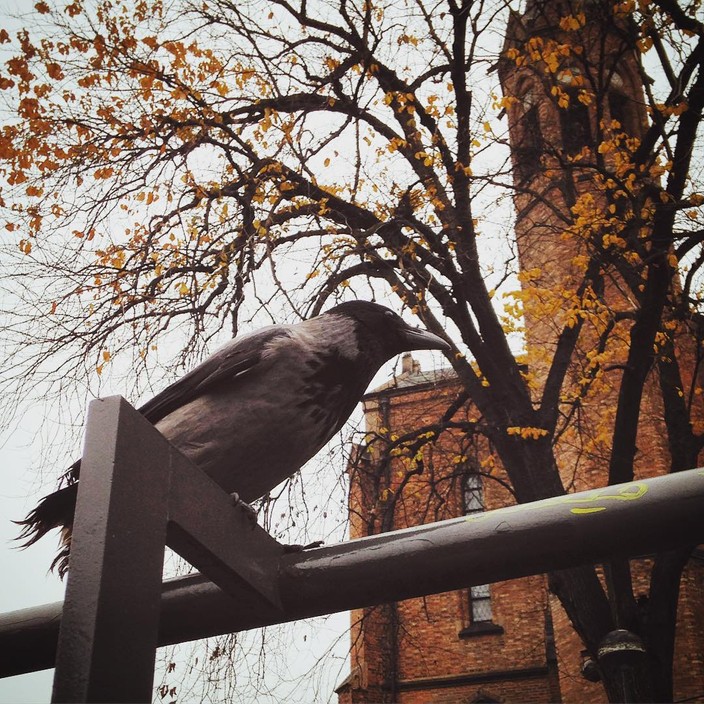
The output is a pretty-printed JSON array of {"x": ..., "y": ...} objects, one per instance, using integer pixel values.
[
  {"x": 301, "y": 548},
  {"x": 247, "y": 508}
]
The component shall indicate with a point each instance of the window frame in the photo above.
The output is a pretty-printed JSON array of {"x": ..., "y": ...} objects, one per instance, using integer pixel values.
[{"x": 478, "y": 596}]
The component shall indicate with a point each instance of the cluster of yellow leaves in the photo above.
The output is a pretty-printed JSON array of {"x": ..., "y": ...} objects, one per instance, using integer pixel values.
[
  {"x": 408, "y": 39},
  {"x": 624, "y": 8},
  {"x": 559, "y": 304},
  {"x": 527, "y": 432},
  {"x": 512, "y": 318},
  {"x": 674, "y": 109},
  {"x": 571, "y": 23},
  {"x": 394, "y": 144},
  {"x": 550, "y": 54},
  {"x": 488, "y": 462},
  {"x": 401, "y": 102},
  {"x": 105, "y": 357},
  {"x": 596, "y": 225},
  {"x": 435, "y": 110},
  {"x": 664, "y": 336}
]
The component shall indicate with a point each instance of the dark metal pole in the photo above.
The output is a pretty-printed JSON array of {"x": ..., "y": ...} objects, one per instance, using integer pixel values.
[
  {"x": 111, "y": 610},
  {"x": 590, "y": 527}
]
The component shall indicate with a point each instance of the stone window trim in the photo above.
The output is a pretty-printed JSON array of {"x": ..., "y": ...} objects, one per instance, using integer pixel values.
[{"x": 481, "y": 628}]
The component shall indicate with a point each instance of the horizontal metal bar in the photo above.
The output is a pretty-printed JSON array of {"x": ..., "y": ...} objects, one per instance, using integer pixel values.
[{"x": 596, "y": 526}]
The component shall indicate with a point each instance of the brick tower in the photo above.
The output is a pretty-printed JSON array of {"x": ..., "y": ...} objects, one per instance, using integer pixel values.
[
  {"x": 562, "y": 113},
  {"x": 511, "y": 641}
]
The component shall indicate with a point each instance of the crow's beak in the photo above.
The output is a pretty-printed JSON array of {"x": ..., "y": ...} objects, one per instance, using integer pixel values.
[{"x": 417, "y": 339}]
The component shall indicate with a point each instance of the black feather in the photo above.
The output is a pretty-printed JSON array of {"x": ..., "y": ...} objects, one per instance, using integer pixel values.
[{"x": 53, "y": 511}]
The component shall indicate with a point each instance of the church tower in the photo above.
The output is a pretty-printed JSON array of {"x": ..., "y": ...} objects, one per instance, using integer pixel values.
[
  {"x": 575, "y": 103},
  {"x": 576, "y": 115}
]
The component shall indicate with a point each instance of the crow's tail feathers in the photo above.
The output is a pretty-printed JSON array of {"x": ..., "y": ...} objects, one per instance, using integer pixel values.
[{"x": 53, "y": 511}]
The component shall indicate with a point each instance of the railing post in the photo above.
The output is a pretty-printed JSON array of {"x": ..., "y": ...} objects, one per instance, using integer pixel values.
[
  {"x": 110, "y": 621},
  {"x": 138, "y": 493}
]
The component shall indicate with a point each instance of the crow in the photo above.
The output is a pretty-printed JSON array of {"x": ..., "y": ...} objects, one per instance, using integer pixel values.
[{"x": 261, "y": 406}]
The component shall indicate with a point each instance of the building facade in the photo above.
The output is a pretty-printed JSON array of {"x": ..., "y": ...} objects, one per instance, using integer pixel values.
[
  {"x": 511, "y": 641},
  {"x": 482, "y": 644}
]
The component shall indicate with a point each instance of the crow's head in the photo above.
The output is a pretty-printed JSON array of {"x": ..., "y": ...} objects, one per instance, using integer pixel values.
[{"x": 384, "y": 333}]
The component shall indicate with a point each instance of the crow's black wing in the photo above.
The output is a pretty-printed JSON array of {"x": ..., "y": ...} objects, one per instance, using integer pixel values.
[
  {"x": 238, "y": 357},
  {"x": 235, "y": 359}
]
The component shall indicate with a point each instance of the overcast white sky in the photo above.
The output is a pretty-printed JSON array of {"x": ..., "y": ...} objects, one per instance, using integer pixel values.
[{"x": 26, "y": 581}]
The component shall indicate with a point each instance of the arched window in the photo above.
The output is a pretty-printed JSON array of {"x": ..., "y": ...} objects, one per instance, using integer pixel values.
[
  {"x": 575, "y": 121},
  {"x": 528, "y": 138},
  {"x": 575, "y": 127},
  {"x": 624, "y": 111},
  {"x": 622, "y": 107}
]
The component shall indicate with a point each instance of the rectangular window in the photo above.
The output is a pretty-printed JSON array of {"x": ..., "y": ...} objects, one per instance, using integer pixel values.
[
  {"x": 480, "y": 603},
  {"x": 479, "y": 597},
  {"x": 472, "y": 494}
]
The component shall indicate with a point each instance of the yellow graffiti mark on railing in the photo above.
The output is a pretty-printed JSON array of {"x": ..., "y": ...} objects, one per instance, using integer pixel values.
[
  {"x": 585, "y": 500},
  {"x": 595, "y": 509},
  {"x": 623, "y": 492}
]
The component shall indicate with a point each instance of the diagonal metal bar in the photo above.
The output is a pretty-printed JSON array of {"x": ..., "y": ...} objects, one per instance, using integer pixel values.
[
  {"x": 219, "y": 536},
  {"x": 646, "y": 516}
]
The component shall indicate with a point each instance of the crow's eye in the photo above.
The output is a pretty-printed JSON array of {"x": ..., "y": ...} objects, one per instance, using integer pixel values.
[{"x": 390, "y": 314}]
